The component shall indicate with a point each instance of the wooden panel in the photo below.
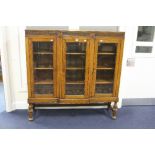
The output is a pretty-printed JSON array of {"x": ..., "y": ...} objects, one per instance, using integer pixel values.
[
  {"x": 74, "y": 101},
  {"x": 43, "y": 100},
  {"x": 116, "y": 69},
  {"x": 28, "y": 64},
  {"x": 93, "y": 75},
  {"x": 31, "y": 68},
  {"x": 41, "y": 33},
  {"x": 103, "y": 99},
  {"x": 59, "y": 65}
]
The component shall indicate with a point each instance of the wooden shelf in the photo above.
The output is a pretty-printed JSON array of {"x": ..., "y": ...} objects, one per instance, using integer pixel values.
[
  {"x": 48, "y": 94},
  {"x": 105, "y": 68},
  {"x": 104, "y": 81},
  {"x": 75, "y": 82},
  {"x": 43, "y": 53},
  {"x": 106, "y": 53},
  {"x": 44, "y": 82},
  {"x": 43, "y": 68},
  {"x": 75, "y": 53},
  {"x": 74, "y": 68}
]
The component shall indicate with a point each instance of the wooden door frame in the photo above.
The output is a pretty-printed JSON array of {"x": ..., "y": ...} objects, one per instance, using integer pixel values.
[
  {"x": 75, "y": 98},
  {"x": 31, "y": 95},
  {"x": 119, "y": 54}
]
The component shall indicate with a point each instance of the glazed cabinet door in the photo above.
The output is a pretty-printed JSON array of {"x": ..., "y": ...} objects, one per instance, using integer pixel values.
[
  {"x": 106, "y": 69},
  {"x": 75, "y": 68},
  {"x": 42, "y": 57}
]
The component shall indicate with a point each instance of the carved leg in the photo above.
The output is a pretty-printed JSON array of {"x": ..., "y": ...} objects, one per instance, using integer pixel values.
[
  {"x": 30, "y": 112},
  {"x": 114, "y": 109}
]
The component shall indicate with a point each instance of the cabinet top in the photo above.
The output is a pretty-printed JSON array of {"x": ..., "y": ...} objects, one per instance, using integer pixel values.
[{"x": 77, "y": 33}]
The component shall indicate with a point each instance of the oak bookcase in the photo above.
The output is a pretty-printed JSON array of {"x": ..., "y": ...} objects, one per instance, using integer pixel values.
[{"x": 78, "y": 68}]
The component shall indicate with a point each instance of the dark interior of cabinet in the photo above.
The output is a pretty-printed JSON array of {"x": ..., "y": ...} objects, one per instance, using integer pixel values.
[
  {"x": 106, "y": 61},
  {"x": 76, "y": 47},
  {"x": 105, "y": 75},
  {"x": 43, "y": 75},
  {"x": 45, "y": 61},
  {"x": 106, "y": 57},
  {"x": 104, "y": 88},
  {"x": 43, "y": 46},
  {"x": 74, "y": 89},
  {"x": 43, "y": 89},
  {"x": 75, "y": 60},
  {"x": 75, "y": 75},
  {"x": 43, "y": 67},
  {"x": 106, "y": 47},
  {"x": 75, "y": 67}
]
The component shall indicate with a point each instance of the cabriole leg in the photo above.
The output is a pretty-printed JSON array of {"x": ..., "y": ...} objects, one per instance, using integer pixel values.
[{"x": 30, "y": 112}]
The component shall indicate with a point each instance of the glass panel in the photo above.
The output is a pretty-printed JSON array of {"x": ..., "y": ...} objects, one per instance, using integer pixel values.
[
  {"x": 104, "y": 75},
  {"x": 106, "y": 47},
  {"x": 43, "y": 75},
  {"x": 76, "y": 47},
  {"x": 106, "y": 56},
  {"x": 42, "y": 47},
  {"x": 44, "y": 60},
  {"x": 75, "y": 67},
  {"x": 143, "y": 49},
  {"x": 75, "y": 75},
  {"x": 75, "y": 89},
  {"x": 104, "y": 88},
  {"x": 145, "y": 33},
  {"x": 75, "y": 60},
  {"x": 106, "y": 60},
  {"x": 44, "y": 89},
  {"x": 43, "y": 67}
]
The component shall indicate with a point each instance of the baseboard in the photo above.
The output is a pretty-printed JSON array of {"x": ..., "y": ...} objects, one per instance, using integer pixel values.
[{"x": 138, "y": 101}]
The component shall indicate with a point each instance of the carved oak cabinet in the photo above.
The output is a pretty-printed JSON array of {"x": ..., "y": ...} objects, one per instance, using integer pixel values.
[{"x": 73, "y": 68}]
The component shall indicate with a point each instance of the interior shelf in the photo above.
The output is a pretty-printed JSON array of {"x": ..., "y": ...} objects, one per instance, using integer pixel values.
[
  {"x": 42, "y": 53},
  {"x": 74, "y": 82},
  {"x": 106, "y": 53},
  {"x": 44, "y": 82},
  {"x": 51, "y": 94},
  {"x": 43, "y": 68},
  {"x": 75, "y": 53},
  {"x": 105, "y": 68},
  {"x": 104, "y": 81},
  {"x": 75, "y": 68}
]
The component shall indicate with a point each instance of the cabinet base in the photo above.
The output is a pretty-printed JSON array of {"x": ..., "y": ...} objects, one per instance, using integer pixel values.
[{"x": 110, "y": 107}]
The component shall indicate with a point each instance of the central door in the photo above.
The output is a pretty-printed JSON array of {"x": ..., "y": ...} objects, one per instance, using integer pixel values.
[{"x": 75, "y": 69}]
